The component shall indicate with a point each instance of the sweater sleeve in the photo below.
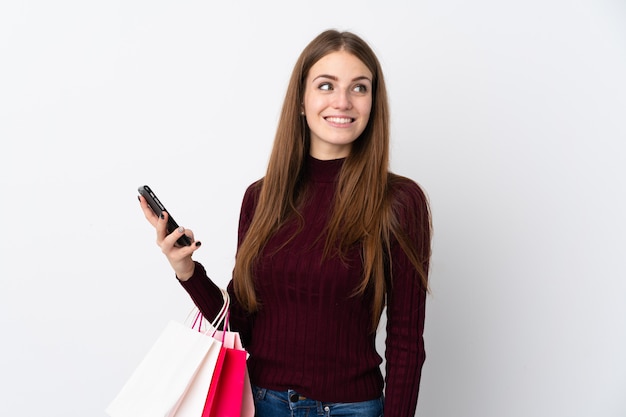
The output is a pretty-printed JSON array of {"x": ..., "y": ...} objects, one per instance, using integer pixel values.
[
  {"x": 207, "y": 296},
  {"x": 406, "y": 303}
]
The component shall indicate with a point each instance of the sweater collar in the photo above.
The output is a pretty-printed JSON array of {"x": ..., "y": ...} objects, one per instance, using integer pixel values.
[{"x": 323, "y": 171}]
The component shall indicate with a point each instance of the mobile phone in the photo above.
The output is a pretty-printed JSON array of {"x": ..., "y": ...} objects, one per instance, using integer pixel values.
[{"x": 158, "y": 208}]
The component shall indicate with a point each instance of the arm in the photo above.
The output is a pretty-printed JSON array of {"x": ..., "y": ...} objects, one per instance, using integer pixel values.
[
  {"x": 193, "y": 277},
  {"x": 209, "y": 299},
  {"x": 406, "y": 304},
  {"x": 205, "y": 294}
]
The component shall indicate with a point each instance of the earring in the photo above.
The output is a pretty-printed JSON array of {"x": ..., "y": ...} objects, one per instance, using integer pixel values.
[{"x": 302, "y": 113}]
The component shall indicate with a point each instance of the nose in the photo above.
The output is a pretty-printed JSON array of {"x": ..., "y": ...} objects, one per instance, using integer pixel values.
[{"x": 342, "y": 100}]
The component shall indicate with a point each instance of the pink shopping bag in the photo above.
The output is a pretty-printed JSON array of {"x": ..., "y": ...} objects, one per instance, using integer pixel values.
[
  {"x": 226, "y": 390},
  {"x": 230, "y": 393}
]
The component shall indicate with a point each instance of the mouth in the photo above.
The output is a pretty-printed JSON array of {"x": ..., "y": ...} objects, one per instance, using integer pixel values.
[{"x": 339, "y": 120}]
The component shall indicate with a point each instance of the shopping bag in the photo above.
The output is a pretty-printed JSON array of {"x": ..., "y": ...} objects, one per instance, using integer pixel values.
[
  {"x": 174, "y": 377},
  {"x": 192, "y": 401},
  {"x": 158, "y": 385},
  {"x": 247, "y": 401},
  {"x": 230, "y": 393}
]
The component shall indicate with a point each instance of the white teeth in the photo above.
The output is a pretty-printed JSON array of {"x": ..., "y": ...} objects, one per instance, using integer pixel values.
[{"x": 339, "y": 119}]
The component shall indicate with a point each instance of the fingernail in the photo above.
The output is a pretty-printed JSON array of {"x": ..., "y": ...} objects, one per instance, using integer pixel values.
[
  {"x": 198, "y": 243},
  {"x": 181, "y": 229}
]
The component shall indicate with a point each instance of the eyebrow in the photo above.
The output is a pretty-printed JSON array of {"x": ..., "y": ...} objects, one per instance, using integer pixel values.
[{"x": 334, "y": 78}]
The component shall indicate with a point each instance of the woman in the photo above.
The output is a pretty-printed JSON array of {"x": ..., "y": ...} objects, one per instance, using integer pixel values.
[{"x": 327, "y": 239}]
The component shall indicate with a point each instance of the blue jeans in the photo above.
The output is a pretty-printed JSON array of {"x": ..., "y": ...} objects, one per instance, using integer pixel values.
[{"x": 268, "y": 403}]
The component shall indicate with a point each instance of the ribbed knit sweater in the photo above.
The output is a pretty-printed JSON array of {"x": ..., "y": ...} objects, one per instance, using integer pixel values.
[{"x": 311, "y": 335}]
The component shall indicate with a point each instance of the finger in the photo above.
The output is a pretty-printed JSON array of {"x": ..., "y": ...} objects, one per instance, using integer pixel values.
[
  {"x": 177, "y": 234},
  {"x": 147, "y": 211},
  {"x": 190, "y": 235},
  {"x": 173, "y": 250},
  {"x": 161, "y": 228},
  {"x": 169, "y": 239}
]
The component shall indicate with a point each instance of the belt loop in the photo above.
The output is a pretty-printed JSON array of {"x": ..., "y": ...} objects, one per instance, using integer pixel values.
[
  {"x": 322, "y": 409},
  {"x": 259, "y": 393}
]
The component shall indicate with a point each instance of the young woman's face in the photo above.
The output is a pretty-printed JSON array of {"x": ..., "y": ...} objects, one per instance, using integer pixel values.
[{"x": 337, "y": 103}]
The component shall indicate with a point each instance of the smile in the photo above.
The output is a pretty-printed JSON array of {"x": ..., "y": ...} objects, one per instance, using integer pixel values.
[{"x": 340, "y": 120}]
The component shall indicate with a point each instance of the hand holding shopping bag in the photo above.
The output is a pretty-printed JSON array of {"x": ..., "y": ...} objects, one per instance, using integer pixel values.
[{"x": 173, "y": 378}]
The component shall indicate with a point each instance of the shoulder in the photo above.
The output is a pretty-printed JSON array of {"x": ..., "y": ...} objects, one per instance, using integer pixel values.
[
  {"x": 406, "y": 193},
  {"x": 410, "y": 216},
  {"x": 248, "y": 205},
  {"x": 251, "y": 197},
  {"x": 253, "y": 191}
]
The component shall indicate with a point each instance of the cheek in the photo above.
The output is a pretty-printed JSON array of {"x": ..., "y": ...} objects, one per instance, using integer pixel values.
[
  {"x": 313, "y": 103},
  {"x": 366, "y": 111}
]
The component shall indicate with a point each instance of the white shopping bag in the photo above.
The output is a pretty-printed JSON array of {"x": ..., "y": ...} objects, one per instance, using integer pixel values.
[{"x": 174, "y": 376}]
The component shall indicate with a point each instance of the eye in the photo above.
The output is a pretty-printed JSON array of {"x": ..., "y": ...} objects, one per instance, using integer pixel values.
[
  {"x": 360, "y": 88},
  {"x": 325, "y": 86}
]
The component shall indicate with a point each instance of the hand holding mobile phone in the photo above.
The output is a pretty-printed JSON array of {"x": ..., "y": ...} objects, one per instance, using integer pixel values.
[{"x": 158, "y": 208}]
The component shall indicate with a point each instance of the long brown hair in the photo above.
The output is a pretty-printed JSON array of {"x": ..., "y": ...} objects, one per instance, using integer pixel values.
[{"x": 363, "y": 211}]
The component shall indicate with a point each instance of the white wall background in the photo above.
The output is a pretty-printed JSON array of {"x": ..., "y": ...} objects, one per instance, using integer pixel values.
[{"x": 511, "y": 114}]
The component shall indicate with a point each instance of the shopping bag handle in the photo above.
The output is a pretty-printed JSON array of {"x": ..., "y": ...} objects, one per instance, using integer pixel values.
[{"x": 219, "y": 318}]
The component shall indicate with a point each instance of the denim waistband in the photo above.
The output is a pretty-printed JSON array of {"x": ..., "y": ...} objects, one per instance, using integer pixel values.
[{"x": 291, "y": 403}]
